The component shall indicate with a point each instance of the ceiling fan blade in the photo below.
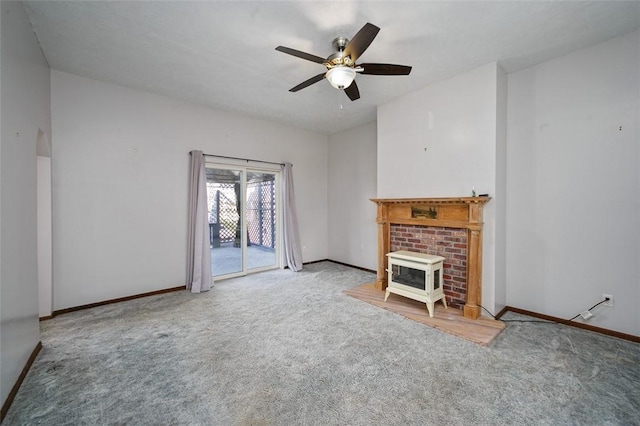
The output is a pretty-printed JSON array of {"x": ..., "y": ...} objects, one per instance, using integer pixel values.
[
  {"x": 299, "y": 54},
  {"x": 352, "y": 91},
  {"x": 359, "y": 43},
  {"x": 385, "y": 69},
  {"x": 307, "y": 83}
]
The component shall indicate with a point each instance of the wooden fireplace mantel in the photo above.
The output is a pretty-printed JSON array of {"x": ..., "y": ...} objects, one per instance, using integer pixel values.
[{"x": 461, "y": 212}]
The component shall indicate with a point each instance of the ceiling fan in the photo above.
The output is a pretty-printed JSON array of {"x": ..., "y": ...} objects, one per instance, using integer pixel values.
[{"x": 341, "y": 65}]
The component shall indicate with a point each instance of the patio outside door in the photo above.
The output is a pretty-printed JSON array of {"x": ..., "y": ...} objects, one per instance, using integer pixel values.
[{"x": 243, "y": 220}]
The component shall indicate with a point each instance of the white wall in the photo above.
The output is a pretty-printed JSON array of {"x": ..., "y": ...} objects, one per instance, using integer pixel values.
[
  {"x": 45, "y": 238},
  {"x": 442, "y": 141},
  {"x": 455, "y": 120},
  {"x": 45, "y": 277},
  {"x": 120, "y": 175},
  {"x": 573, "y": 212},
  {"x": 24, "y": 109},
  {"x": 353, "y": 237}
]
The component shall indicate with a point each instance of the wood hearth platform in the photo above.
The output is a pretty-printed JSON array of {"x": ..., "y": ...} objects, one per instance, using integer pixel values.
[{"x": 481, "y": 331}]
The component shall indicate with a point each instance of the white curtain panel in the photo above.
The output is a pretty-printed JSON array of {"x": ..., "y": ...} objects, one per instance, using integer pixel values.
[
  {"x": 292, "y": 250},
  {"x": 198, "y": 249}
]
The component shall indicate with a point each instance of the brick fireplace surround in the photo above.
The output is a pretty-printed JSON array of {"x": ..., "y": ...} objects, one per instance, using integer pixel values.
[
  {"x": 447, "y": 227},
  {"x": 450, "y": 243}
]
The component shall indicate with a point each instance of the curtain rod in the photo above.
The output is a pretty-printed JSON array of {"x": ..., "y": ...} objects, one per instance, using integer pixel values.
[{"x": 241, "y": 159}]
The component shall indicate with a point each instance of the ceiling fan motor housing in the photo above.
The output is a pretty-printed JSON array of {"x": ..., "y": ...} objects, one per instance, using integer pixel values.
[
  {"x": 338, "y": 58},
  {"x": 339, "y": 43}
]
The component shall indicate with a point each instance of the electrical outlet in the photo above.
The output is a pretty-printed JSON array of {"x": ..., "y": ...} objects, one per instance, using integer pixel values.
[
  {"x": 608, "y": 302},
  {"x": 586, "y": 315}
]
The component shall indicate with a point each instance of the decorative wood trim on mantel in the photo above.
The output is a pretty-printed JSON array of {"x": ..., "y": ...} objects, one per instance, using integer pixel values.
[{"x": 458, "y": 212}]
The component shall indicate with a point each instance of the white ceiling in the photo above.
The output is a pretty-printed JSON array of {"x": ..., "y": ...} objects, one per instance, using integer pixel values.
[{"x": 222, "y": 53}]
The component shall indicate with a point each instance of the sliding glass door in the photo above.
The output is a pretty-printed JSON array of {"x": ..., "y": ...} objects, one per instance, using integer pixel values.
[
  {"x": 224, "y": 193},
  {"x": 243, "y": 219},
  {"x": 261, "y": 220}
]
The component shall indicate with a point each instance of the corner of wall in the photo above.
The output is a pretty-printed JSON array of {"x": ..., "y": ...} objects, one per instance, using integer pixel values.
[
  {"x": 26, "y": 108},
  {"x": 500, "y": 290}
]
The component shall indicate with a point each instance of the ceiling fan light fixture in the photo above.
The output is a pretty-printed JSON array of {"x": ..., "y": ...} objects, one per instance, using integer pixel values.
[{"x": 341, "y": 76}]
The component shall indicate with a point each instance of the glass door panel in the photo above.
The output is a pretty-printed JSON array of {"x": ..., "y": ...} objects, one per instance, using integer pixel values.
[
  {"x": 261, "y": 219},
  {"x": 225, "y": 195}
]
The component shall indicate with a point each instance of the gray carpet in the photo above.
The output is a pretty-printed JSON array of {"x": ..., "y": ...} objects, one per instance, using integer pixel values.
[{"x": 285, "y": 348}]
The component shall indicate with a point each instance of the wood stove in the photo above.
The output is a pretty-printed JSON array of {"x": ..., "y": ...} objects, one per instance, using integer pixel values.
[{"x": 417, "y": 276}]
